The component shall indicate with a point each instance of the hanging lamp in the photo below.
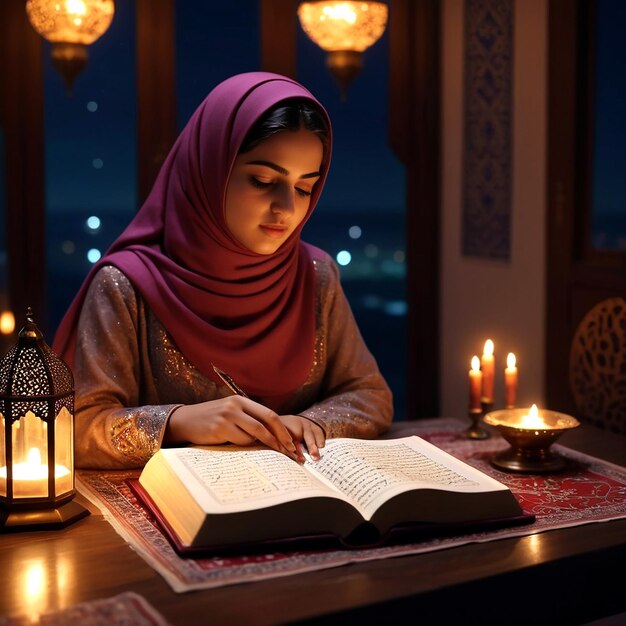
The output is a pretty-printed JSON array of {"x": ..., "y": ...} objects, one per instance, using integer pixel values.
[
  {"x": 70, "y": 25},
  {"x": 345, "y": 29}
]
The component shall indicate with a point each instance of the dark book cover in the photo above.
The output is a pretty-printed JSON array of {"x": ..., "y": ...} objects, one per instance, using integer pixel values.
[{"x": 365, "y": 536}]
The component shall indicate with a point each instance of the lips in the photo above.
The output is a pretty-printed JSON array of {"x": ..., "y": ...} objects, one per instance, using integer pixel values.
[{"x": 275, "y": 231}]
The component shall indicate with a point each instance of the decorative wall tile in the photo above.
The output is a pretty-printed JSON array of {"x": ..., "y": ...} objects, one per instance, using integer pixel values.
[{"x": 488, "y": 74}]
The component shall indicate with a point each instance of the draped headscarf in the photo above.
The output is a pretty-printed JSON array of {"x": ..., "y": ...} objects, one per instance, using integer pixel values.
[{"x": 251, "y": 315}]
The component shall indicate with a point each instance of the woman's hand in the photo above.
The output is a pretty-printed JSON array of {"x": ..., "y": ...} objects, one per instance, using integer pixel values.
[
  {"x": 233, "y": 419},
  {"x": 303, "y": 429}
]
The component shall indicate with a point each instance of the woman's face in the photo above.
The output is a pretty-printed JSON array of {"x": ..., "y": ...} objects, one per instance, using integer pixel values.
[{"x": 270, "y": 187}]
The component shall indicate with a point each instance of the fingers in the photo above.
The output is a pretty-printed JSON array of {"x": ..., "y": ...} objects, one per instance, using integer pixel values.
[
  {"x": 254, "y": 430},
  {"x": 279, "y": 430},
  {"x": 305, "y": 431},
  {"x": 234, "y": 419},
  {"x": 300, "y": 453},
  {"x": 264, "y": 424},
  {"x": 311, "y": 444},
  {"x": 314, "y": 439},
  {"x": 320, "y": 436},
  {"x": 239, "y": 437}
]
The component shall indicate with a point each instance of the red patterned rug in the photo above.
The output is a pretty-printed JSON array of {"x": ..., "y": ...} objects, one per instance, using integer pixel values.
[
  {"x": 125, "y": 609},
  {"x": 588, "y": 490}
]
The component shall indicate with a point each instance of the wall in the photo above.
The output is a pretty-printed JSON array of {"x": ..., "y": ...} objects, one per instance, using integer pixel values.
[{"x": 483, "y": 299}]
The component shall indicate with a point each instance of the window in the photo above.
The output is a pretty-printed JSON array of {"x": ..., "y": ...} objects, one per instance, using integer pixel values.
[
  {"x": 608, "y": 211},
  {"x": 213, "y": 42},
  {"x": 90, "y": 160},
  {"x": 360, "y": 220}
]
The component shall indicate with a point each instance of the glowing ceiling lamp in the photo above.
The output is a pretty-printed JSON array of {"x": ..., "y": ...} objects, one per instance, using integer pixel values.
[
  {"x": 345, "y": 29},
  {"x": 71, "y": 25}
]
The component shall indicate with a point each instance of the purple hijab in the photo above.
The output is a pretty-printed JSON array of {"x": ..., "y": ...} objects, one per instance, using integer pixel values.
[{"x": 251, "y": 315}]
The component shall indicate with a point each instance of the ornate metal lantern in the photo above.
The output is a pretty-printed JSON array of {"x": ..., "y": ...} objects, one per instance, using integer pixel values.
[{"x": 36, "y": 436}]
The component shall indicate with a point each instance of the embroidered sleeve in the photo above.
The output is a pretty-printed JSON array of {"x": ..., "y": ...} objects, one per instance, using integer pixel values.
[
  {"x": 137, "y": 432},
  {"x": 107, "y": 361},
  {"x": 355, "y": 400}
]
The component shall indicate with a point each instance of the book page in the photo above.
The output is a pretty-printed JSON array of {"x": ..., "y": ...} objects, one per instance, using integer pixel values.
[
  {"x": 230, "y": 479},
  {"x": 371, "y": 472}
]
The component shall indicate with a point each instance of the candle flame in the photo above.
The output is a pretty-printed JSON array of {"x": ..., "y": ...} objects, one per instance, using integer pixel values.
[
  {"x": 475, "y": 364},
  {"x": 533, "y": 420},
  {"x": 33, "y": 468},
  {"x": 510, "y": 360},
  {"x": 489, "y": 347},
  {"x": 7, "y": 322},
  {"x": 34, "y": 458}
]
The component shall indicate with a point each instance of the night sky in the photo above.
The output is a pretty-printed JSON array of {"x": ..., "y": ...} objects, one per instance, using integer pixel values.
[{"x": 609, "y": 188}]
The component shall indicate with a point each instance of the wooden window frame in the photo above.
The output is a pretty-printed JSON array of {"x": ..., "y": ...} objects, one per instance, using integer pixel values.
[
  {"x": 21, "y": 110},
  {"x": 576, "y": 275}
]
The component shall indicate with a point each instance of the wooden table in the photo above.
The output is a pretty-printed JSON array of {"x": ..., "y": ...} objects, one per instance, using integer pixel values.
[{"x": 566, "y": 576}]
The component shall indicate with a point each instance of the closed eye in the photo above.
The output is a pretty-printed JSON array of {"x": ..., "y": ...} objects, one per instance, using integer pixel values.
[
  {"x": 255, "y": 182},
  {"x": 261, "y": 184}
]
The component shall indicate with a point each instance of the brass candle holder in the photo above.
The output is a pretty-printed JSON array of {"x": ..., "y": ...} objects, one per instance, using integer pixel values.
[
  {"x": 474, "y": 430},
  {"x": 530, "y": 439}
]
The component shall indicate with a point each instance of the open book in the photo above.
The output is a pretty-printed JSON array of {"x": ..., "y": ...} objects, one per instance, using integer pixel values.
[{"x": 220, "y": 496}]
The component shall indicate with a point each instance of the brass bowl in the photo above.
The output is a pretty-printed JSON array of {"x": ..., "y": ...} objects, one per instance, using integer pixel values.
[{"x": 530, "y": 447}]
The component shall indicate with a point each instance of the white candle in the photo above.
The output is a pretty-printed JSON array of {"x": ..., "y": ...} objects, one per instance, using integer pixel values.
[
  {"x": 510, "y": 381},
  {"x": 30, "y": 478},
  {"x": 487, "y": 367},
  {"x": 475, "y": 381}
]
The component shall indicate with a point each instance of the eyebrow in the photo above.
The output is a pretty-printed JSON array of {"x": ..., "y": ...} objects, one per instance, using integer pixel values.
[{"x": 281, "y": 170}]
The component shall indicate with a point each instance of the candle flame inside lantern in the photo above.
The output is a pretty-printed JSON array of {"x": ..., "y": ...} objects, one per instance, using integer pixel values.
[
  {"x": 33, "y": 469},
  {"x": 510, "y": 361},
  {"x": 475, "y": 364}
]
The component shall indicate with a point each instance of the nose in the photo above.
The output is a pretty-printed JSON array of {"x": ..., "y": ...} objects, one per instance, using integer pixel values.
[{"x": 283, "y": 200}]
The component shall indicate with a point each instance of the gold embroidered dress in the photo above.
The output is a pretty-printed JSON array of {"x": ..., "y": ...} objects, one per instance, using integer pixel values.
[
  {"x": 130, "y": 375},
  {"x": 177, "y": 292}
]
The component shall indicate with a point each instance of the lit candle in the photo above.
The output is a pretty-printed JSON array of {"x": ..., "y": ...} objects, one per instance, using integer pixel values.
[
  {"x": 7, "y": 326},
  {"x": 475, "y": 381},
  {"x": 7, "y": 322},
  {"x": 510, "y": 381},
  {"x": 487, "y": 367},
  {"x": 533, "y": 421},
  {"x": 30, "y": 478}
]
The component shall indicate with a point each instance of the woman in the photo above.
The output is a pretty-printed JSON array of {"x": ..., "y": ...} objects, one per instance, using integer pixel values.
[{"x": 212, "y": 272}]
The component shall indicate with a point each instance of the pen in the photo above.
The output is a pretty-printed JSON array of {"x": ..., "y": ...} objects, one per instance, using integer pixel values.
[
  {"x": 296, "y": 455},
  {"x": 229, "y": 382}
]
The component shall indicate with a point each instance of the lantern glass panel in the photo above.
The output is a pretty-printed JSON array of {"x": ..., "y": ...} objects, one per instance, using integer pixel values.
[
  {"x": 30, "y": 457},
  {"x": 64, "y": 449},
  {"x": 3, "y": 458}
]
